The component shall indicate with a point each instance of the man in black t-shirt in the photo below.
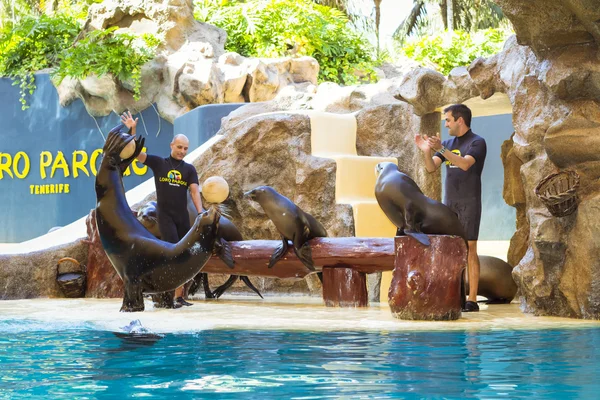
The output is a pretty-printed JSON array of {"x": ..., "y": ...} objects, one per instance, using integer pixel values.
[
  {"x": 173, "y": 177},
  {"x": 464, "y": 156}
]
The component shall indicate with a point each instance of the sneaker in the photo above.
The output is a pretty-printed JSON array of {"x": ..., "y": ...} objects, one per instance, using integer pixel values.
[
  {"x": 182, "y": 302},
  {"x": 470, "y": 306}
]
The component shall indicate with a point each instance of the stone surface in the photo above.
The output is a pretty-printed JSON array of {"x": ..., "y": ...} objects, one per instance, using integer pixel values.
[
  {"x": 102, "y": 278},
  {"x": 31, "y": 275},
  {"x": 426, "y": 281},
  {"x": 552, "y": 84},
  {"x": 389, "y": 131},
  {"x": 544, "y": 26},
  {"x": 190, "y": 69},
  {"x": 514, "y": 195}
]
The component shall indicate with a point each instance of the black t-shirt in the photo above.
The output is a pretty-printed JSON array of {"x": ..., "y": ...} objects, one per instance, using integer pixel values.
[
  {"x": 462, "y": 185},
  {"x": 172, "y": 179}
]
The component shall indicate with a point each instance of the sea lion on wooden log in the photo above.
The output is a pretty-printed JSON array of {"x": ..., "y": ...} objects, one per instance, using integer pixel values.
[{"x": 291, "y": 222}]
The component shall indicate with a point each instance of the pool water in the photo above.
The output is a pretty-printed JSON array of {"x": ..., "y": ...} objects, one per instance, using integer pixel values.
[{"x": 79, "y": 361}]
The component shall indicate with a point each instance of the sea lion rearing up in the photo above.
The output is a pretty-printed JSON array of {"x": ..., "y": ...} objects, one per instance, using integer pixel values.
[
  {"x": 144, "y": 263},
  {"x": 291, "y": 222},
  {"x": 413, "y": 213}
]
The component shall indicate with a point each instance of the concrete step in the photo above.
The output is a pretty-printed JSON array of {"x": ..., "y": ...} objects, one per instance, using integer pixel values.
[
  {"x": 355, "y": 178},
  {"x": 370, "y": 221}
]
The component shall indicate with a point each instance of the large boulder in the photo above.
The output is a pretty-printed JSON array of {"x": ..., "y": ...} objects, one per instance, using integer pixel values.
[
  {"x": 552, "y": 84},
  {"x": 190, "y": 69},
  {"x": 33, "y": 274}
]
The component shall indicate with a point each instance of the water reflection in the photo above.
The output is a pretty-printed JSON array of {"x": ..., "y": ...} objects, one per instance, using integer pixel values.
[{"x": 281, "y": 364}]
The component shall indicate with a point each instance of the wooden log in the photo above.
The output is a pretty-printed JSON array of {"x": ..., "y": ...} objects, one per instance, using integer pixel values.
[
  {"x": 344, "y": 286},
  {"x": 426, "y": 281},
  {"x": 252, "y": 257}
]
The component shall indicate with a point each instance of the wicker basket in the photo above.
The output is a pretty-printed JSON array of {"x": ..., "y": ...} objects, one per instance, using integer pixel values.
[
  {"x": 72, "y": 284},
  {"x": 558, "y": 192}
]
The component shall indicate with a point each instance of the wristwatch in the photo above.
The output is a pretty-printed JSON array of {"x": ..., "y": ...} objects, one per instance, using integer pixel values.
[{"x": 442, "y": 150}]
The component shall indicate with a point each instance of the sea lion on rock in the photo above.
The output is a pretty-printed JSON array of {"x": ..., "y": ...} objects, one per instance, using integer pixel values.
[
  {"x": 413, "y": 213},
  {"x": 291, "y": 222},
  {"x": 144, "y": 263},
  {"x": 227, "y": 232}
]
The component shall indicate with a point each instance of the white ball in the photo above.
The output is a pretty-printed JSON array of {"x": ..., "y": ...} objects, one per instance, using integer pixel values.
[
  {"x": 128, "y": 150},
  {"x": 215, "y": 189}
]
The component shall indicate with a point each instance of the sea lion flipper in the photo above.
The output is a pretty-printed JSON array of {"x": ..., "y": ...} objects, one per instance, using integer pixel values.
[
  {"x": 419, "y": 236},
  {"x": 195, "y": 284},
  {"x": 223, "y": 251},
  {"x": 246, "y": 280},
  {"x": 304, "y": 253},
  {"x": 221, "y": 289},
  {"x": 139, "y": 145},
  {"x": 208, "y": 294},
  {"x": 279, "y": 252}
]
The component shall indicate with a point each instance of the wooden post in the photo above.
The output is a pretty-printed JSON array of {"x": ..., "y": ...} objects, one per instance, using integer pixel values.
[
  {"x": 343, "y": 286},
  {"x": 426, "y": 281}
]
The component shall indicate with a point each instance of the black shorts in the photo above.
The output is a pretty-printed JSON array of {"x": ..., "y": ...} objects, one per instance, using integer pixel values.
[
  {"x": 469, "y": 214},
  {"x": 173, "y": 228}
]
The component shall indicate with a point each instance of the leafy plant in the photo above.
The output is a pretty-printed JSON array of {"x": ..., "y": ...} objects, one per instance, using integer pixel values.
[
  {"x": 277, "y": 28},
  {"x": 32, "y": 45},
  {"x": 445, "y": 51},
  {"x": 51, "y": 42},
  {"x": 102, "y": 52}
]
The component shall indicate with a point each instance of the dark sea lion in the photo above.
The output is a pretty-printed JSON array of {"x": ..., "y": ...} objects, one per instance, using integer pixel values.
[
  {"x": 413, "y": 213},
  {"x": 495, "y": 281},
  {"x": 227, "y": 232},
  {"x": 144, "y": 263},
  {"x": 291, "y": 222}
]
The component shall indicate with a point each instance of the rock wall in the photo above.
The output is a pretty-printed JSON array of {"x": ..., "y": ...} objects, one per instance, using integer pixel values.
[
  {"x": 554, "y": 86},
  {"x": 31, "y": 275},
  {"x": 190, "y": 69}
]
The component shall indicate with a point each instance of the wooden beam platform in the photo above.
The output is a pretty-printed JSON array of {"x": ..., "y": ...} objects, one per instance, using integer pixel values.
[{"x": 251, "y": 257}]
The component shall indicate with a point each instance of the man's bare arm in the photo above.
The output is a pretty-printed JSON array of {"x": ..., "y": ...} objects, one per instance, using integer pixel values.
[
  {"x": 196, "y": 199},
  {"x": 463, "y": 163},
  {"x": 431, "y": 163}
]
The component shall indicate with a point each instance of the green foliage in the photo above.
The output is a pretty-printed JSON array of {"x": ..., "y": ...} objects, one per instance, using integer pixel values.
[
  {"x": 277, "y": 28},
  {"x": 102, "y": 52},
  {"x": 444, "y": 52},
  {"x": 32, "y": 45},
  {"x": 52, "y": 42}
]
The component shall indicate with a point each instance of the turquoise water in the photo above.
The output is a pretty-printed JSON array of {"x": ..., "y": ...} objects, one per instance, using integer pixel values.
[{"x": 81, "y": 362}]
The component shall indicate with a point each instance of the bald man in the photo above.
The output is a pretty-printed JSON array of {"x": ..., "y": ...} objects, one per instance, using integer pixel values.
[{"x": 173, "y": 177}]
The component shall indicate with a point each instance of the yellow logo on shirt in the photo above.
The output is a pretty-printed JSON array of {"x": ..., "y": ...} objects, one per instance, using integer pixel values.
[
  {"x": 173, "y": 178},
  {"x": 174, "y": 174},
  {"x": 457, "y": 152}
]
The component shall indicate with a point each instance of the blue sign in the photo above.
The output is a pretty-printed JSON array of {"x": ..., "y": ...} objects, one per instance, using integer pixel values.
[{"x": 49, "y": 156}]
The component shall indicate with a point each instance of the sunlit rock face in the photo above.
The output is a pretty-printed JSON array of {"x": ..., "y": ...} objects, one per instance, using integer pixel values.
[
  {"x": 551, "y": 73},
  {"x": 275, "y": 150},
  {"x": 191, "y": 68},
  {"x": 33, "y": 274}
]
